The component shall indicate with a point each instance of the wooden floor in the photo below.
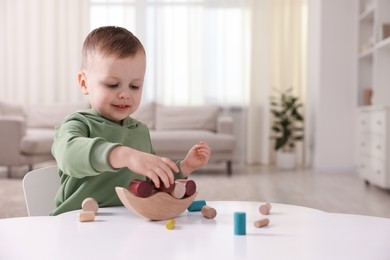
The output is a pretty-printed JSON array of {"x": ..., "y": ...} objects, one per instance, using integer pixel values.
[{"x": 331, "y": 192}]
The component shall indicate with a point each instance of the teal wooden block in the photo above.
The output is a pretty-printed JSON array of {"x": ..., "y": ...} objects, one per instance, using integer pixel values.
[
  {"x": 239, "y": 223},
  {"x": 196, "y": 205}
]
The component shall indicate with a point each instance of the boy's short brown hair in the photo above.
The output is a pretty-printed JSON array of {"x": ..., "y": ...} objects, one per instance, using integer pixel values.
[{"x": 110, "y": 40}]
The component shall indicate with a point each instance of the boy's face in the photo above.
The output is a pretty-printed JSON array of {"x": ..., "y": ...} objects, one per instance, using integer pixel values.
[{"x": 114, "y": 85}]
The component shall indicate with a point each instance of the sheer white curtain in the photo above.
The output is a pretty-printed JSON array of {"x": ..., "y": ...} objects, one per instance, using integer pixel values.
[
  {"x": 279, "y": 54},
  {"x": 197, "y": 50},
  {"x": 217, "y": 51},
  {"x": 40, "y": 49}
]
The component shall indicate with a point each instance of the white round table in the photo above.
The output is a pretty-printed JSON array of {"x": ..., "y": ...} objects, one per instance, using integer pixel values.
[{"x": 293, "y": 233}]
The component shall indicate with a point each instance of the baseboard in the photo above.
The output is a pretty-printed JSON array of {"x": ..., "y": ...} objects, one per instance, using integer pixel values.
[{"x": 326, "y": 169}]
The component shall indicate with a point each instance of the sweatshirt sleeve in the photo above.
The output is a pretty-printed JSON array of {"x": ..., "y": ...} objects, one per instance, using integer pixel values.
[
  {"x": 77, "y": 154},
  {"x": 179, "y": 175}
]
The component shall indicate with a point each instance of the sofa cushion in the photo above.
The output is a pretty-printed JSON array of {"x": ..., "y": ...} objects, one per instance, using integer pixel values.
[
  {"x": 9, "y": 109},
  {"x": 145, "y": 114},
  {"x": 186, "y": 117},
  {"x": 183, "y": 140},
  {"x": 37, "y": 141},
  {"x": 49, "y": 116}
]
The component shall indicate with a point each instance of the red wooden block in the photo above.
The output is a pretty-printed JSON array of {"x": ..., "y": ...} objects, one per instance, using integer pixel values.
[
  {"x": 141, "y": 188},
  {"x": 190, "y": 186},
  {"x": 165, "y": 189}
]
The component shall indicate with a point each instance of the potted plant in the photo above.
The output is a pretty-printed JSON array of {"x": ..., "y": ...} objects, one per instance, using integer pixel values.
[{"x": 287, "y": 127}]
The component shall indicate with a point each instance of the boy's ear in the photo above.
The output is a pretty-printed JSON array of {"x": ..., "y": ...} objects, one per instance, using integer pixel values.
[{"x": 82, "y": 82}]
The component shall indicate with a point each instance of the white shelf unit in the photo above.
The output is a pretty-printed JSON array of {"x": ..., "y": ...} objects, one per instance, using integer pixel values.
[
  {"x": 373, "y": 51},
  {"x": 373, "y": 59}
]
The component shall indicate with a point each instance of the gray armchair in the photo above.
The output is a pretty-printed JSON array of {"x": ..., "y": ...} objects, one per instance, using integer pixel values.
[{"x": 16, "y": 144}]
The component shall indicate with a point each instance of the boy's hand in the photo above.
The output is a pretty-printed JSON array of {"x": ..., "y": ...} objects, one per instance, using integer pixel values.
[
  {"x": 154, "y": 167},
  {"x": 197, "y": 157}
]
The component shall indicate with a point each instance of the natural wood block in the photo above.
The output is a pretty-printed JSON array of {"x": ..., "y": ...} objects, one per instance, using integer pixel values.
[
  {"x": 86, "y": 216},
  {"x": 179, "y": 190},
  {"x": 265, "y": 208},
  {"x": 90, "y": 204},
  {"x": 261, "y": 222},
  {"x": 208, "y": 212},
  {"x": 159, "y": 206}
]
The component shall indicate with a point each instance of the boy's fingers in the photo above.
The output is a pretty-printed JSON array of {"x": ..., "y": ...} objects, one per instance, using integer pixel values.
[
  {"x": 154, "y": 179},
  {"x": 171, "y": 164},
  {"x": 167, "y": 175},
  {"x": 163, "y": 175},
  {"x": 203, "y": 154},
  {"x": 205, "y": 146},
  {"x": 202, "y": 143},
  {"x": 203, "y": 150}
]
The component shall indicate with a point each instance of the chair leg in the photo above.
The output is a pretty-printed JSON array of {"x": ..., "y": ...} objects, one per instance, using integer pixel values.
[
  {"x": 229, "y": 168},
  {"x": 9, "y": 172}
]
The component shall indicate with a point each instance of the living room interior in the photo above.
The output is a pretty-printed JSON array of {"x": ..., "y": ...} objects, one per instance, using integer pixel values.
[{"x": 230, "y": 55}]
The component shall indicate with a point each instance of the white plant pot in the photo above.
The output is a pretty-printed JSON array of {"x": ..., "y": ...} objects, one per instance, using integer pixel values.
[{"x": 285, "y": 160}]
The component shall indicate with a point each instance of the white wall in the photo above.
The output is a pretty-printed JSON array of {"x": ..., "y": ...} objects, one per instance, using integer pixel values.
[{"x": 331, "y": 83}]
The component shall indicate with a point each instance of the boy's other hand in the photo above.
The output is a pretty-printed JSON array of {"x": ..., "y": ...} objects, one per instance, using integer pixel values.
[{"x": 197, "y": 157}]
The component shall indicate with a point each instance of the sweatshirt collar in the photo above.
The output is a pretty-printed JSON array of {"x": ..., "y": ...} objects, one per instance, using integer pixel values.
[{"x": 127, "y": 122}]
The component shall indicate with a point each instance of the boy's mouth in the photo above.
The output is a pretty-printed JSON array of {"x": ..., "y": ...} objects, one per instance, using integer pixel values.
[{"x": 121, "y": 106}]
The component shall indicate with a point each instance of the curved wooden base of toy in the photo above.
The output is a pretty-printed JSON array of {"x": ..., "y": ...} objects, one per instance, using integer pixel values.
[{"x": 159, "y": 206}]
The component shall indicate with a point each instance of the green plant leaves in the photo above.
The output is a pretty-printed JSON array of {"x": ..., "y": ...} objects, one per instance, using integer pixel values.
[{"x": 287, "y": 126}]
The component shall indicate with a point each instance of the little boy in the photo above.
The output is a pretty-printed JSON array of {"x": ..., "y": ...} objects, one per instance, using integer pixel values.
[{"x": 101, "y": 148}]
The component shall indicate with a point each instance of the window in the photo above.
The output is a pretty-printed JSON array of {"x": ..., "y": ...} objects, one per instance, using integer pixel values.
[{"x": 197, "y": 50}]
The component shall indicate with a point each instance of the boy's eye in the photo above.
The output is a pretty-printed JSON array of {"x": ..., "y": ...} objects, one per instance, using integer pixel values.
[
  {"x": 134, "y": 87},
  {"x": 112, "y": 85}
]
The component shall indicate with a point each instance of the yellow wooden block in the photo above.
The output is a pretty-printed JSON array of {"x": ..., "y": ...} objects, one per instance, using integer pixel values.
[{"x": 171, "y": 224}]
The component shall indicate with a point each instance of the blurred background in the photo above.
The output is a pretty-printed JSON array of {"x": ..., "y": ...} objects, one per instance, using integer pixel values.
[{"x": 230, "y": 53}]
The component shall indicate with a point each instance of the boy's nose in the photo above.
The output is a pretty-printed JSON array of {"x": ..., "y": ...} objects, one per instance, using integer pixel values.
[{"x": 124, "y": 94}]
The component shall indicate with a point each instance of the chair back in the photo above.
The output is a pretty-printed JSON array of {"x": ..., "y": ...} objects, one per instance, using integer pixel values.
[{"x": 40, "y": 187}]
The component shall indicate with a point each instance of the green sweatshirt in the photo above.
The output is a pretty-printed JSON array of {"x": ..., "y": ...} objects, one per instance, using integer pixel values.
[{"x": 81, "y": 148}]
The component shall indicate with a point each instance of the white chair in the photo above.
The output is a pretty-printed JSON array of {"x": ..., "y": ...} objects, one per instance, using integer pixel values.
[{"x": 40, "y": 187}]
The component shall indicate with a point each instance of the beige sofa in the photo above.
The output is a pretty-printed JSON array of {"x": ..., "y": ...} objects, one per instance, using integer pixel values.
[{"x": 26, "y": 132}]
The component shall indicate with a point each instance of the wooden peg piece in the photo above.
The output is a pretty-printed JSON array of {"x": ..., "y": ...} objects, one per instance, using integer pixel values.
[
  {"x": 261, "y": 222},
  {"x": 208, "y": 212},
  {"x": 90, "y": 204},
  {"x": 240, "y": 223},
  {"x": 179, "y": 190},
  {"x": 196, "y": 205},
  {"x": 190, "y": 186},
  {"x": 171, "y": 224},
  {"x": 86, "y": 216},
  {"x": 265, "y": 208},
  {"x": 141, "y": 188},
  {"x": 165, "y": 189}
]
